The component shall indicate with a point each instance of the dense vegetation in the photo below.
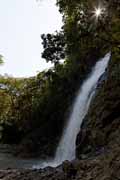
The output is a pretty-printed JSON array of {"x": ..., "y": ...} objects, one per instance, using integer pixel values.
[{"x": 33, "y": 111}]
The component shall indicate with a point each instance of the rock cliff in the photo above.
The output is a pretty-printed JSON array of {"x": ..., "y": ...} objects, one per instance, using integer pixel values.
[{"x": 100, "y": 130}]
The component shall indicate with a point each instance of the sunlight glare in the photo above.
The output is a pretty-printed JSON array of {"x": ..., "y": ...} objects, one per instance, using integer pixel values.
[{"x": 98, "y": 12}]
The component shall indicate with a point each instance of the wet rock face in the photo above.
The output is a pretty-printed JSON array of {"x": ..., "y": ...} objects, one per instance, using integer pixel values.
[{"x": 100, "y": 129}]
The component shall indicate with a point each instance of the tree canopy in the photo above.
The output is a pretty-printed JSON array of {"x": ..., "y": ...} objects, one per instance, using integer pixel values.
[{"x": 1, "y": 60}]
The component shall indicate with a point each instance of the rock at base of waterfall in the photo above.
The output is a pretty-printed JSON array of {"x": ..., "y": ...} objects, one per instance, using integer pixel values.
[{"x": 105, "y": 166}]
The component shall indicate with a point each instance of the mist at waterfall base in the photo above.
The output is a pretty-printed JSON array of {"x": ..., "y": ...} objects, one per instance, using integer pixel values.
[{"x": 66, "y": 146}]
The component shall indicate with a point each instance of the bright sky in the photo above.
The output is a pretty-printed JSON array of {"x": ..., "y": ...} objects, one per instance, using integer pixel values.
[{"x": 21, "y": 24}]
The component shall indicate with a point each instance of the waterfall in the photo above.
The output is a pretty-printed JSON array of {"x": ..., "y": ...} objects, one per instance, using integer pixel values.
[{"x": 66, "y": 146}]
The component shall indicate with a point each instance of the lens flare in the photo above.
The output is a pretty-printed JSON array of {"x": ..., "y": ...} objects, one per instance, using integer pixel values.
[{"x": 98, "y": 12}]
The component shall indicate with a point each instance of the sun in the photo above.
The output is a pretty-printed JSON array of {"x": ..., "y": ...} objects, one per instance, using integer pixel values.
[{"x": 98, "y": 12}]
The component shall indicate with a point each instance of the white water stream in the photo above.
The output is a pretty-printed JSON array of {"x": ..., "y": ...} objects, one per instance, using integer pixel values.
[{"x": 66, "y": 146}]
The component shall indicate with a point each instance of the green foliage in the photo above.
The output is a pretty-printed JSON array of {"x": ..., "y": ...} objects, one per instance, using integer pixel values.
[
  {"x": 1, "y": 59},
  {"x": 10, "y": 90},
  {"x": 54, "y": 45}
]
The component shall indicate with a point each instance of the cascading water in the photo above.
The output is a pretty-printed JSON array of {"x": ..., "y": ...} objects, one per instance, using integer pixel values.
[{"x": 66, "y": 147}]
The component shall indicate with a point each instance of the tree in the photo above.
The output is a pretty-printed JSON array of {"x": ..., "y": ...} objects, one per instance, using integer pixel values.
[
  {"x": 54, "y": 47},
  {"x": 1, "y": 60}
]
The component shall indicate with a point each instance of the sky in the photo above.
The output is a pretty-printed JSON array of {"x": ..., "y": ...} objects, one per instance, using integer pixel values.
[{"x": 21, "y": 24}]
